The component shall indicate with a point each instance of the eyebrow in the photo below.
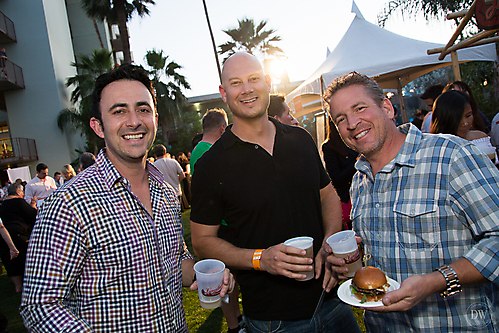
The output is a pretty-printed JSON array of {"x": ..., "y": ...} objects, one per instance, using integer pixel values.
[{"x": 124, "y": 105}]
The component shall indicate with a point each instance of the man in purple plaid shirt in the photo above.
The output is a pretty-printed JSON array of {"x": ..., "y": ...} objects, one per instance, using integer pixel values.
[{"x": 107, "y": 253}]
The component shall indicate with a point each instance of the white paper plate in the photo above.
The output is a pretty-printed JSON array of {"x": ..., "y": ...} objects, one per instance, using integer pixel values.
[{"x": 346, "y": 296}]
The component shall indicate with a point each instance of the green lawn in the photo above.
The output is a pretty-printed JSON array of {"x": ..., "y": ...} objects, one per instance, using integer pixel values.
[{"x": 198, "y": 319}]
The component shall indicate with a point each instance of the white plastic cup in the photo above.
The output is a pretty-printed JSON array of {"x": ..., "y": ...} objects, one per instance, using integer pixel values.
[
  {"x": 209, "y": 275},
  {"x": 345, "y": 246},
  {"x": 304, "y": 243}
]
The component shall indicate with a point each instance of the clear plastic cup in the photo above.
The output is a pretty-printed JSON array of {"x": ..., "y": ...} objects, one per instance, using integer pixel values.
[
  {"x": 209, "y": 275},
  {"x": 305, "y": 243},
  {"x": 345, "y": 246}
]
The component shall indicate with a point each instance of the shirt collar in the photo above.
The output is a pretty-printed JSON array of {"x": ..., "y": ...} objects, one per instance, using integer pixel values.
[
  {"x": 111, "y": 175},
  {"x": 229, "y": 139},
  {"x": 406, "y": 155}
]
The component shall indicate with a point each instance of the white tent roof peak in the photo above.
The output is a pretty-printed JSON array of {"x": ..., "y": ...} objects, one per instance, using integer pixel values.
[
  {"x": 390, "y": 58},
  {"x": 356, "y": 10}
]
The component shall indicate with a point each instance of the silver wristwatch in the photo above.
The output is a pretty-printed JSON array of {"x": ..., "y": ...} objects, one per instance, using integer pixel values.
[{"x": 453, "y": 284}]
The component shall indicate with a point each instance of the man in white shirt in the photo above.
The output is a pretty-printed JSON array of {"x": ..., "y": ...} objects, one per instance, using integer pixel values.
[
  {"x": 41, "y": 186},
  {"x": 170, "y": 168}
]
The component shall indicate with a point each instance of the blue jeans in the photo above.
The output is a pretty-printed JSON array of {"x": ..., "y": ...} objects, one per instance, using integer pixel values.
[{"x": 334, "y": 316}]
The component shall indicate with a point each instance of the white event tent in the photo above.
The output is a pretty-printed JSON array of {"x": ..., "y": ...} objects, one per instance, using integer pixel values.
[{"x": 392, "y": 60}]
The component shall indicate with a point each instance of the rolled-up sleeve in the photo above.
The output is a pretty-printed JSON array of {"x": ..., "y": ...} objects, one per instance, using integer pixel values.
[{"x": 476, "y": 194}]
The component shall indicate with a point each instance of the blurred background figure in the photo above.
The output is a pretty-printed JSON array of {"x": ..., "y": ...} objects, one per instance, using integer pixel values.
[
  {"x": 68, "y": 172},
  {"x": 480, "y": 121},
  {"x": 280, "y": 110},
  {"x": 340, "y": 161},
  {"x": 453, "y": 114},
  {"x": 41, "y": 186},
  {"x": 419, "y": 117},
  {"x": 186, "y": 182},
  {"x": 19, "y": 219},
  {"x": 429, "y": 96},
  {"x": 58, "y": 179},
  {"x": 86, "y": 159}
]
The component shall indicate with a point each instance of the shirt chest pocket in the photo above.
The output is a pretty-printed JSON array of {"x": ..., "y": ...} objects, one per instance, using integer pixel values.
[{"x": 417, "y": 225}]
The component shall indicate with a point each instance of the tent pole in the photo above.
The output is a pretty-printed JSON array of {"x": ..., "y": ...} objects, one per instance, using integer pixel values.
[
  {"x": 455, "y": 66},
  {"x": 403, "y": 111}
]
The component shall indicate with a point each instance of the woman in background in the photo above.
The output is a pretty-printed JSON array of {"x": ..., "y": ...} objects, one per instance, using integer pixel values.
[
  {"x": 453, "y": 114},
  {"x": 68, "y": 172},
  {"x": 18, "y": 218},
  {"x": 340, "y": 161}
]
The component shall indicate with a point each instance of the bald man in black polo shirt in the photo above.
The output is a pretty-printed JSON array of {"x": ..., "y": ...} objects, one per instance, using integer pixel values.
[{"x": 267, "y": 182}]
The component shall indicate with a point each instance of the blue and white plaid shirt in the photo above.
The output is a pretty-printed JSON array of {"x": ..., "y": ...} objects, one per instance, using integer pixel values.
[
  {"x": 99, "y": 262},
  {"x": 427, "y": 208}
]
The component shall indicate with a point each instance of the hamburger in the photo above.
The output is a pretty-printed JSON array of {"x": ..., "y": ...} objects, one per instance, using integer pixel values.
[{"x": 369, "y": 284}]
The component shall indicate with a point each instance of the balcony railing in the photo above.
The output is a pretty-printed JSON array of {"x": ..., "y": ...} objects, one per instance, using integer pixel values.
[
  {"x": 11, "y": 76},
  {"x": 7, "y": 31},
  {"x": 17, "y": 150}
]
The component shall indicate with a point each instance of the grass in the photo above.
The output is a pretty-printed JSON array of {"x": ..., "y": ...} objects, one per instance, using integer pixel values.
[{"x": 198, "y": 319}]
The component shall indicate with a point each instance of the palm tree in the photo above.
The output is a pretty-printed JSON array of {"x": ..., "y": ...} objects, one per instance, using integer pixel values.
[
  {"x": 78, "y": 116},
  {"x": 169, "y": 96},
  {"x": 119, "y": 12},
  {"x": 250, "y": 39}
]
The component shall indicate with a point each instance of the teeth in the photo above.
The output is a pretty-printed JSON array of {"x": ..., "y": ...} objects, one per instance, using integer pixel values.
[
  {"x": 134, "y": 136},
  {"x": 250, "y": 100},
  {"x": 361, "y": 134}
]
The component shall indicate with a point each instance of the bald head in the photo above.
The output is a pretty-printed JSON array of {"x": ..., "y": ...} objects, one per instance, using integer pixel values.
[
  {"x": 238, "y": 60},
  {"x": 245, "y": 87}
]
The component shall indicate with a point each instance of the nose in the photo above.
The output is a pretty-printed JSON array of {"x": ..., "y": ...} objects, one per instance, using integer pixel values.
[
  {"x": 247, "y": 87},
  {"x": 133, "y": 119},
  {"x": 352, "y": 122}
]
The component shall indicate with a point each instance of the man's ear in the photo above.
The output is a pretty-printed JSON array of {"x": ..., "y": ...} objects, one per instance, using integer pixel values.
[
  {"x": 268, "y": 80},
  {"x": 387, "y": 106},
  {"x": 222, "y": 93},
  {"x": 96, "y": 125}
]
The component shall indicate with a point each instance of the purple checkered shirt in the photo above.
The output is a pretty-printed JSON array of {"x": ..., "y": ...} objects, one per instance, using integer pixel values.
[{"x": 98, "y": 262}]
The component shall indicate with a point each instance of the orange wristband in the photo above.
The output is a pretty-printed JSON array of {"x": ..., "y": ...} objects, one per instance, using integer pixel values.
[{"x": 257, "y": 255}]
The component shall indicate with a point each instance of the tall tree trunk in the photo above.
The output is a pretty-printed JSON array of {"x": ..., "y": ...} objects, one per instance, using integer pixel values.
[
  {"x": 212, "y": 41},
  {"x": 119, "y": 5},
  {"x": 98, "y": 34}
]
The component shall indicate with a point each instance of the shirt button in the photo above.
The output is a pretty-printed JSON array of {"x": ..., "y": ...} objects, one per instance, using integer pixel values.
[
  {"x": 377, "y": 205},
  {"x": 256, "y": 146}
]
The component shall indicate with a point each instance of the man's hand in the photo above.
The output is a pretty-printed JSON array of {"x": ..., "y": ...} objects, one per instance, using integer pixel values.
[
  {"x": 412, "y": 291},
  {"x": 286, "y": 260},
  {"x": 228, "y": 283},
  {"x": 33, "y": 202},
  {"x": 13, "y": 253},
  {"x": 337, "y": 264},
  {"x": 330, "y": 277}
]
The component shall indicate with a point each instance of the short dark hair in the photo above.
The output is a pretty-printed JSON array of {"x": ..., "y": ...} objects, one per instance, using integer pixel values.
[
  {"x": 124, "y": 72},
  {"x": 12, "y": 189},
  {"x": 432, "y": 92},
  {"x": 86, "y": 159},
  {"x": 275, "y": 105},
  {"x": 213, "y": 119},
  {"x": 372, "y": 87},
  {"x": 159, "y": 150},
  {"x": 448, "y": 111},
  {"x": 41, "y": 166},
  {"x": 57, "y": 173}
]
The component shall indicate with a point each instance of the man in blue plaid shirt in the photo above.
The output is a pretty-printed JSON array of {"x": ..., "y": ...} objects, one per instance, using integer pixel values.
[{"x": 427, "y": 209}]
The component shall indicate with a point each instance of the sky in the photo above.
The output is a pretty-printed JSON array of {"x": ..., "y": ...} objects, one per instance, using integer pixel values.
[{"x": 307, "y": 29}]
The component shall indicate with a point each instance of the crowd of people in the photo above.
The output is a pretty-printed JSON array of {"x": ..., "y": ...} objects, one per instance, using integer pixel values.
[{"x": 422, "y": 197}]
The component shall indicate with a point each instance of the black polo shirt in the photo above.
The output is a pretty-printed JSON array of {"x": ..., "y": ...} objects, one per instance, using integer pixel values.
[{"x": 264, "y": 199}]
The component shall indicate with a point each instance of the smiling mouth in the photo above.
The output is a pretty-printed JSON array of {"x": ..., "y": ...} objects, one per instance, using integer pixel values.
[
  {"x": 361, "y": 134},
  {"x": 133, "y": 136},
  {"x": 249, "y": 100}
]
